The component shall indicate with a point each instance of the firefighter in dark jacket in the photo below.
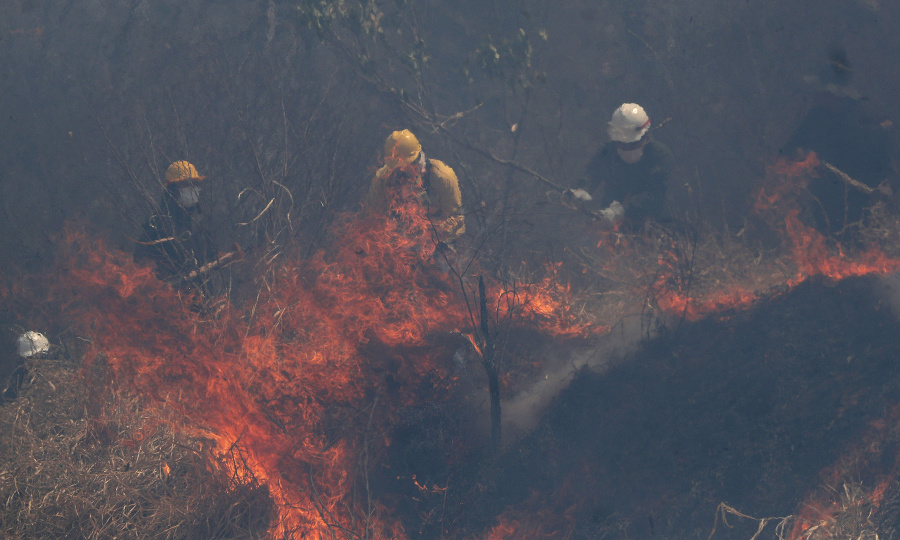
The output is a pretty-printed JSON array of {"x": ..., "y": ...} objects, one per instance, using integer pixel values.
[
  {"x": 625, "y": 182},
  {"x": 854, "y": 147},
  {"x": 435, "y": 184},
  {"x": 173, "y": 238}
]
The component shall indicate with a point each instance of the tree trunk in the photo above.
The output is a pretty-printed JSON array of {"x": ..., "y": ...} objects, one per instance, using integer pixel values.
[{"x": 490, "y": 366}]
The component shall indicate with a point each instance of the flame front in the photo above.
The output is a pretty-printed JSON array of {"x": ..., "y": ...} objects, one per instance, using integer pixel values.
[
  {"x": 294, "y": 387},
  {"x": 805, "y": 252},
  {"x": 288, "y": 388}
]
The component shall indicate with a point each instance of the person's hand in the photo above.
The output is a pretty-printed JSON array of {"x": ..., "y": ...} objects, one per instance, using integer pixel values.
[
  {"x": 577, "y": 195},
  {"x": 576, "y": 199},
  {"x": 613, "y": 214}
]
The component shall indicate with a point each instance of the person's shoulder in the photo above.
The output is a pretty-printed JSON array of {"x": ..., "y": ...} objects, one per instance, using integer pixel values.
[
  {"x": 442, "y": 171},
  {"x": 658, "y": 154}
]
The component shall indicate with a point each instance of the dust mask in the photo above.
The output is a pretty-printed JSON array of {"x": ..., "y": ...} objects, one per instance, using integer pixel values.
[{"x": 189, "y": 196}]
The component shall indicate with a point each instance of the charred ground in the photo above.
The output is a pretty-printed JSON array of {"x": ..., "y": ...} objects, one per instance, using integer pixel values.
[{"x": 747, "y": 408}]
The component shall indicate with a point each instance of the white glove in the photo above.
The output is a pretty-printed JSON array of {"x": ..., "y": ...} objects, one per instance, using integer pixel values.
[
  {"x": 579, "y": 194},
  {"x": 614, "y": 213}
]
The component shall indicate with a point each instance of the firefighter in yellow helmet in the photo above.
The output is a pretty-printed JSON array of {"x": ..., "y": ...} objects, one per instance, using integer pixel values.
[
  {"x": 173, "y": 238},
  {"x": 405, "y": 164}
]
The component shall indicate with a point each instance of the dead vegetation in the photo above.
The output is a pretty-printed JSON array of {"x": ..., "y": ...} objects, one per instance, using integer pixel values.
[
  {"x": 75, "y": 464},
  {"x": 856, "y": 513}
]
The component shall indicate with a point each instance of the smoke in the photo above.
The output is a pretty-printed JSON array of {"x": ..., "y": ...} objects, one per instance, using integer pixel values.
[
  {"x": 522, "y": 411},
  {"x": 889, "y": 289}
]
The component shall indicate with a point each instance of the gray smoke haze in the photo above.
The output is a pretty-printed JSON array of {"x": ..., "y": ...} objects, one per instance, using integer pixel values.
[
  {"x": 889, "y": 290},
  {"x": 522, "y": 411}
]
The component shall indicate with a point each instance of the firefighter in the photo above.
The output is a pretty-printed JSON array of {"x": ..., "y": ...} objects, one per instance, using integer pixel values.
[
  {"x": 173, "y": 238},
  {"x": 855, "y": 149},
  {"x": 432, "y": 182},
  {"x": 29, "y": 345},
  {"x": 625, "y": 181}
]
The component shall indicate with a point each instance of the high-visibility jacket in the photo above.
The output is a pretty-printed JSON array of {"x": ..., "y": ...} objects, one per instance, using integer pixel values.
[{"x": 440, "y": 194}]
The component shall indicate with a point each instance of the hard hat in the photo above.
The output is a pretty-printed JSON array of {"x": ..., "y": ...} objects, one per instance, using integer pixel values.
[
  {"x": 402, "y": 146},
  {"x": 31, "y": 343},
  {"x": 629, "y": 123},
  {"x": 180, "y": 171}
]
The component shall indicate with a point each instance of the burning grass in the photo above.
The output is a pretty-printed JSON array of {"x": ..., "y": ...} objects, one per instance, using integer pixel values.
[
  {"x": 693, "y": 273},
  {"x": 688, "y": 275},
  {"x": 74, "y": 464},
  {"x": 856, "y": 512},
  {"x": 291, "y": 395},
  {"x": 275, "y": 418}
]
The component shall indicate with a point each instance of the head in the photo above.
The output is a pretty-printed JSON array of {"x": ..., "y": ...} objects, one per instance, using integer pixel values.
[
  {"x": 401, "y": 148},
  {"x": 628, "y": 127},
  {"x": 183, "y": 182}
]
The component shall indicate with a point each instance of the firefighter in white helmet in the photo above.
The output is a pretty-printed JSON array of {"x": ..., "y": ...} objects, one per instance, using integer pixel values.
[
  {"x": 29, "y": 345},
  {"x": 625, "y": 181}
]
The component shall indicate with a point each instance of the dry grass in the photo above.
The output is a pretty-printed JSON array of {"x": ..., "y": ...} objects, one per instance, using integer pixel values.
[
  {"x": 855, "y": 513},
  {"x": 635, "y": 275},
  {"x": 77, "y": 465}
]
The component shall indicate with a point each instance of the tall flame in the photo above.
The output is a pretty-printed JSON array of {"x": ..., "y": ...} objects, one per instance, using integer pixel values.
[
  {"x": 297, "y": 382},
  {"x": 301, "y": 382}
]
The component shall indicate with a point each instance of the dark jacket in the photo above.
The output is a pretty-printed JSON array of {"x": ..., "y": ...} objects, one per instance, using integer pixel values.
[
  {"x": 640, "y": 187},
  {"x": 840, "y": 134},
  {"x": 174, "y": 240}
]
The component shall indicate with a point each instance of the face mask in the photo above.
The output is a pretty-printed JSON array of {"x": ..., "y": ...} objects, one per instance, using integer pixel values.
[
  {"x": 189, "y": 196},
  {"x": 421, "y": 161}
]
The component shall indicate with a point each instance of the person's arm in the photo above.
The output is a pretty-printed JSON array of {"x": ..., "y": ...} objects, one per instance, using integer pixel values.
[
  {"x": 444, "y": 193},
  {"x": 445, "y": 198},
  {"x": 375, "y": 200}
]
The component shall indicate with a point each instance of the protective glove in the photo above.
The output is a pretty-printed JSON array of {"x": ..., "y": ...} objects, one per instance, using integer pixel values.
[
  {"x": 577, "y": 194},
  {"x": 613, "y": 214}
]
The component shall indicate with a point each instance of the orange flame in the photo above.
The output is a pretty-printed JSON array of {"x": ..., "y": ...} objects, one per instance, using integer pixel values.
[
  {"x": 808, "y": 250},
  {"x": 283, "y": 381},
  {"x": 540, "y": 516},
  {"x": 717, "y": 302},
  {"x": 865, "y": 459}
]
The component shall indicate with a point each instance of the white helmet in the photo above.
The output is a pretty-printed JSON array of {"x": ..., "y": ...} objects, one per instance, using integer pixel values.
[
  {"x": 32, "y": 343},
  {"x": 629, "y": 123}
]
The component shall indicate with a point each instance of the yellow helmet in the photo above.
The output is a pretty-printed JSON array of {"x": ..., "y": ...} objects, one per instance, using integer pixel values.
[
  {"x": 180, "y": 171},
  {"x": 402, "y": 146}
]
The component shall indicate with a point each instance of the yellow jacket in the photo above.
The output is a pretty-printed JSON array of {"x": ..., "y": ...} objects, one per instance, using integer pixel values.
[{"x": 440, "y": 195}]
